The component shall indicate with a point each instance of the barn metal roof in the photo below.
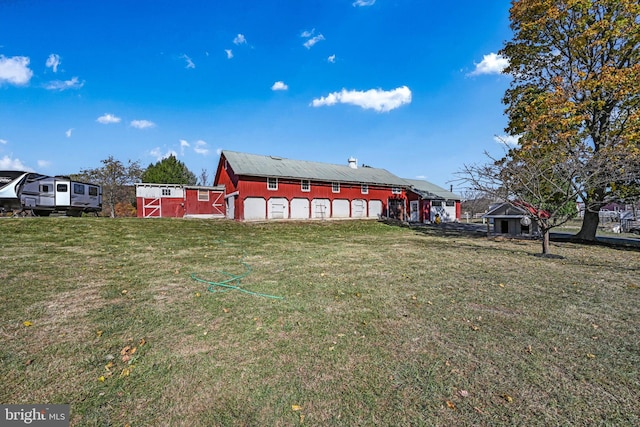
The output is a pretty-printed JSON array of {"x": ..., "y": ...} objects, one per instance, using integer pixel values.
[
  {"x": 278, "y": 167},
  {"x": 427, "y": 189}
]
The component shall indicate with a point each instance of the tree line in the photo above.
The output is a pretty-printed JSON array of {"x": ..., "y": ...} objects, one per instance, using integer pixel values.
[{"x": 118, "y": 180}]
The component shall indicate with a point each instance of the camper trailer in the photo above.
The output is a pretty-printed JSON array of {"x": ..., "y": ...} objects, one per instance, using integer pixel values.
[{"x": 41, "y": 195}]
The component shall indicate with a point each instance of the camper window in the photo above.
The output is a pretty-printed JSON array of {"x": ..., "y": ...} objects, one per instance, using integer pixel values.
[
  {"x": 93, "y": 191},
  {"x": 78, "y": 189},
  {"x": 44, "y": 189},
  {"x": 62, "y": 188}
]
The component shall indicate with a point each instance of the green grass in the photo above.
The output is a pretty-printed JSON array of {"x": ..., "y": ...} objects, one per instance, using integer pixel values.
[{"x": 379, "y": 325}]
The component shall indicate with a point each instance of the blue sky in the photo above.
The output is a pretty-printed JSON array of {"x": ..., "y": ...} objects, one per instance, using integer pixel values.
[{"x": 411, "y": 86}]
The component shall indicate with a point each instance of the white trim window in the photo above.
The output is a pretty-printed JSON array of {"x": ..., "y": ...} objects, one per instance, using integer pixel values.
[
  {"x": 396, "y": 190},
  {"x": 203, "y": 195},
  {"x": 305, "y": 185},
  {"x": 335, "y": 187},
  {"x": 272, "y": 184},
  {"x": 166, "y": 191},
  {"x": 364, "y": 188}
]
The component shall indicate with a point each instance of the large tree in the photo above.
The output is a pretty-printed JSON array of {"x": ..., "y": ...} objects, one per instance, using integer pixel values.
[
  {"x": 576, "y": 88},
  {"x": 169, "y": 170},
  {"x": 116, "y": 180}
]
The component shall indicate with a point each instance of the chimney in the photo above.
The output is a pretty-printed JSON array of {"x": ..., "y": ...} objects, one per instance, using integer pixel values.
[{"x": 353, "y": 163}]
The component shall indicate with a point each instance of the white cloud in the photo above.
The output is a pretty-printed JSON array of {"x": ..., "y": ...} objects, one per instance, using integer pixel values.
[
  {"x": 229, "y": 53},
  {"x": 15, "y": 70},
  {"x": 280, "y": 85},
  {"x": 183, "y": 144},
  {"x": 361, "y": 3},
  {"x": 157, "y": 153},
  {"x": 53, "y": 61},
  {"x": 375, "y": 99},
  {"x": 190, "y": 63},
  {"x": 201, "y": 148},
  {"x": 142, "y": 124},
  {"x": 60, "y": 85},
  {"x": 507, "y": 139},
  {"x": 218, "y": 151},
  {"x": 44, "y": 163},
  {"x": 108, "y": 119},
  {"x": 312, "y": 41},
  {"x": 8, "y": 163},
  {"x": 3, "y": 141},
  {"x": 68, "y": 133},
  {"x": 332, "y": 59},
  {"x": 307, "y": 34},
  {"x": 240, "y": 39},
  {"x": 490, "y": 64}
]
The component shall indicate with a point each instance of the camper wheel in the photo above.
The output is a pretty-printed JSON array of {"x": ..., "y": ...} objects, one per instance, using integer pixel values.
[{"x": 41, "y": 213}]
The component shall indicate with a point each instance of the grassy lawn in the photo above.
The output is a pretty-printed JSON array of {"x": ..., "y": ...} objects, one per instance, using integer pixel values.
[{"x": 378, "y": 325}]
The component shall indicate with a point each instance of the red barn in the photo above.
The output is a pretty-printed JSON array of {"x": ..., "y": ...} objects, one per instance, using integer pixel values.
[
  {"x": 269, "y": 187},
  {"x": 177, "y": 201}
]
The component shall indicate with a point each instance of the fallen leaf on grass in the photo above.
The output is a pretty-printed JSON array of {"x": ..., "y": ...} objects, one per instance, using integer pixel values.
[
  {"x": 226, "y": 310},
  {"x": 124, "y": 292},
  {"x": 99, "y": 333},
  {"x": 463, "y": 393},
  {"x": 508, "y": 398},
  {"x": 101, "y": 378},
  {"x": 27, "y": 323},
  {"x": 296, "y": 408},
  {"x": 451, "y": 405},
  {"x": 591, "y": 356}
]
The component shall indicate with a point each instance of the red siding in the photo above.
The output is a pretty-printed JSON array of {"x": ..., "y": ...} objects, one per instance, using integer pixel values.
[{"x": 248, "y": 186}]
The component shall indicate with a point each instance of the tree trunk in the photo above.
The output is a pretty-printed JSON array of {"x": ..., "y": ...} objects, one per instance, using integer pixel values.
[
  {"x": 591, "y": 216},
  {"x": 545, "y": 241},
  {"x": 589, "y": 226}
]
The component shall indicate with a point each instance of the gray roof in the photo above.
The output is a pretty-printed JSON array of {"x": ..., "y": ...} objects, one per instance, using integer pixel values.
[
  {"x": 429, "y": 190},
  {"x": 278, "y": 167}
]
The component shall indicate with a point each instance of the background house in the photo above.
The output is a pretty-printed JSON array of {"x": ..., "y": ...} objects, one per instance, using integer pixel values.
[{"x": 177, "y": 201}]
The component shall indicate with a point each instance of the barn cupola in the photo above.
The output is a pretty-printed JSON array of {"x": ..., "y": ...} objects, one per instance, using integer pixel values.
[{"x": 353, "y": 163}]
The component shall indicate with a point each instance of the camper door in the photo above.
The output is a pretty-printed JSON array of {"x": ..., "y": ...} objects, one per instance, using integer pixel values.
[{"x": 63, "y": 193}]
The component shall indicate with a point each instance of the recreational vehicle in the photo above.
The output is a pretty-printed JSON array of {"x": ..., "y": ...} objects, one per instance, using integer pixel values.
[{"x": 41, "y": 195}]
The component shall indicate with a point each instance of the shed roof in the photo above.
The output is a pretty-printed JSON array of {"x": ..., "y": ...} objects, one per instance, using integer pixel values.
[
  {"x": 429, "y": 190},
  {"x": 278, "y": 167},
  {"x": 505, "y": 210}
]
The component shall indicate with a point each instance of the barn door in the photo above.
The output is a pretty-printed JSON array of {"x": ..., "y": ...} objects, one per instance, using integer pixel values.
[
  {"x": 151, "y": 208},
  {"x": 414, "y": 211}
]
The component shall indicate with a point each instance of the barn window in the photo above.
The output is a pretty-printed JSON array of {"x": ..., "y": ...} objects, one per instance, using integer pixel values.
[
  {"x": 305, "y": 185},
  {"x": 451, "y": 203},
  {"x": 166, "y": 191},
  {"x": 203, "y": 195},
  {"x": 364, "y": 189},
  {"x": 396, "y": 190},
  {"x": 335, "y": 187},
  {"x": 436, "y": 203},
  {"x": 272, "y": 183}
]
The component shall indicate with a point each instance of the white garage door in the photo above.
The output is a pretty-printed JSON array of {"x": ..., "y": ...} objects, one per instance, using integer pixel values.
[
  {"x": 375, "y": 208},
  {"x": 358, "y": 208},
  {"x": 320, "y": 208},
  {"x": 255, "y": 208},
  {"x": 340, "y": 208},
  {"x": 278, "y": 208},
  {"x": 300, "y": 208}
]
